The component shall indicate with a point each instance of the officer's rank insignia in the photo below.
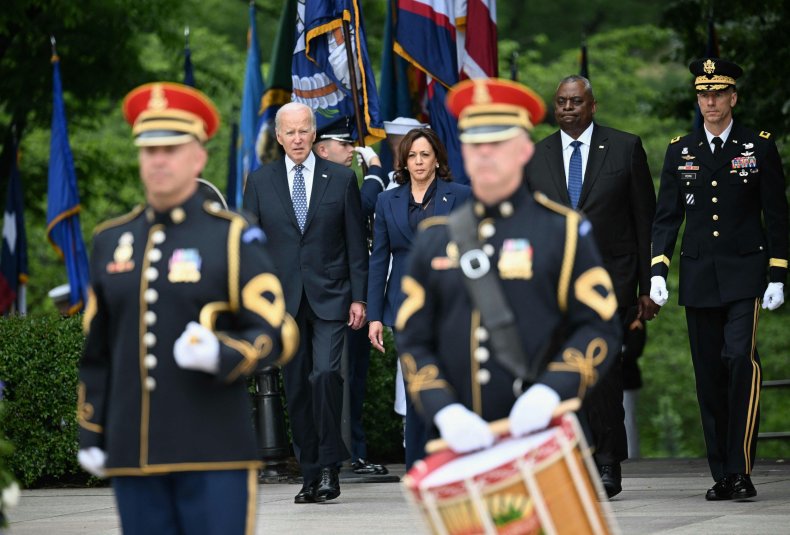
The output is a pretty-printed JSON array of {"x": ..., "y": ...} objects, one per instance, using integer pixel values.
[
  {"x": 184, "y": 266},
  {"x": 689, "y": 199},
  {"x": 744, "y": 162},
  {"x": 515, "y": 259},
  {"x": 122, "y": 257}
]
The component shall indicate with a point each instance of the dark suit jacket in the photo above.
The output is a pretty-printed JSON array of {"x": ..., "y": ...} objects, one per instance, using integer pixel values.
[
  {"x": 618, "y": 198},
  {"x": 329, "y": 262},
  {"x": 392, "y": 235}
]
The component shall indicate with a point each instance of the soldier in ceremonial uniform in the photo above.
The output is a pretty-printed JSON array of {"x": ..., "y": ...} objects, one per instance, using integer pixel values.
[
  {"x": 183, "y": 307},
  {"x": 727, "y": 181},
  {"x": 466, "y": 362}
]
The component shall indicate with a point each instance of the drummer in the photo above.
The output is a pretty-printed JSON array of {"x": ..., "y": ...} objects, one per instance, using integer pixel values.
[{"x": 508, "y": 308}]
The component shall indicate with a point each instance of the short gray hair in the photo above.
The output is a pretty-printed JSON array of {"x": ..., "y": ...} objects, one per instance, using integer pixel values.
[
  {"x": 293, "y": 106},
  {"x": 577, "y": 78}
]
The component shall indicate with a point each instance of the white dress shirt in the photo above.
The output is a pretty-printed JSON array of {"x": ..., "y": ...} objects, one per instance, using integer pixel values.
[
  {"x": 307, "y": 173},
  {"x": 724, "y": 135},
  {"x": 567, "y": 150}
]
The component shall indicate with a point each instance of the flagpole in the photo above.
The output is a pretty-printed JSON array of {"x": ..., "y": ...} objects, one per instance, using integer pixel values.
[{"x": 352, "y": 72}]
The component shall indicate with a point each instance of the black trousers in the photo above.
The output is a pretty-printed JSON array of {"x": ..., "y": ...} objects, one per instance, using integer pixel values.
[
  {"x": 358, "y": 363},
  {"x": 314, "y": 391},
  {"x": 605, "y": 414},
  {"x": 728, "y": 376}
]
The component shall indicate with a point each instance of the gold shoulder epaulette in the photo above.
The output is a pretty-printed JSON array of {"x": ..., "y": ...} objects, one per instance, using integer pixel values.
[
  {"x": 674, "y": 140},
  {"x": 764, "y": 134},
  {"x": 552, "y": 205},
  {"x": 120, "y": 220},
  {"x": 216, "y": 209},
  {"x": 432, "y": 222}
]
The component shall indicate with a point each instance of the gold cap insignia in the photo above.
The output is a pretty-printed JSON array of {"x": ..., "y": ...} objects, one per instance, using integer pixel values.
[
  {"x": 481, "y": 94},
  {"x": 709, "y": 67},
  {"x": 158, "y": 101}
]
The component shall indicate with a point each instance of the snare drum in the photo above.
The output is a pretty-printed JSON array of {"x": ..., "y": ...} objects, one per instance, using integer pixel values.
[{"x": 542, "y": 483}]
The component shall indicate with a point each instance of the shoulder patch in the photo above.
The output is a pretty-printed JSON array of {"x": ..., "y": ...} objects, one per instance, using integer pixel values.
[
  {"x": 432, "y": 222},
  {"x": 120, "y": 220},
  {"x": 674, "y": 140},
  {"x": 552, "y": 205},
  {"x": 765, "y": 135}
]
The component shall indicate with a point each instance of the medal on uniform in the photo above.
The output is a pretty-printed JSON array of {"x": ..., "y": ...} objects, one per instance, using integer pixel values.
[
  {"x": 515, "y": 259},
  {"x": 688, "y": 167},
  {"x": 184, "y": 266},
  {"x": 122, "y": 257}
]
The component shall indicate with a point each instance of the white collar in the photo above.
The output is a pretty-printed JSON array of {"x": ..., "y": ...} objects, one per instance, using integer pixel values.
[{"x": 585, "y": 137}]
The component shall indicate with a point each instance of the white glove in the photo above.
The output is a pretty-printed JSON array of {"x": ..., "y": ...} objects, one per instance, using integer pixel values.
[
  {"x": 533, "y": 409},
  {"x": 463, "y": 429},
  {"x": 658, "y": 290},
  {"x": 365, "y": 153},
  {"x": 197, "y": 349},
  {"x": 774, "y": 296},
  {"x": 92, "y": 460}
]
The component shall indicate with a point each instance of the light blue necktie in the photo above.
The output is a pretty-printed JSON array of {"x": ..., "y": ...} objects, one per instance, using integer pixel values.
[
  {"x": 575, "y": 174},
  {"x": 299, "y": 197}
]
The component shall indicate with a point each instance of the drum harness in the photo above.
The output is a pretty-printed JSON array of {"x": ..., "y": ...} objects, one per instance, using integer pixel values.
[{"x": 487, "y": 295}]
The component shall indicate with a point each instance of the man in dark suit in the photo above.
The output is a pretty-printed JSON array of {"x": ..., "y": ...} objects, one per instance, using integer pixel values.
[
  {"x": 727, "y": 182},
  {"x": 309, "y": 209},
  {"x": 603, "y": 173}
]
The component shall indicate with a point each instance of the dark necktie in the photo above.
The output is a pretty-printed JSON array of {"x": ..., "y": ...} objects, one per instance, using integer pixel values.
[
  {"x": 717, "y": 143},
  {"x": 299, "y": 197},
  {"x": 575, "y": 174}
]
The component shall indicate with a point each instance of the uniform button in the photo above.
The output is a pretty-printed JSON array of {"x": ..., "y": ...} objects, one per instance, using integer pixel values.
[
  {"x": 761, "y": 247},
  {"x": 506, "y": 209},
  {"x": 715, "y": 200},
  {"x": 487, "y": 230},
  {"x": 688, "y": 183},
  {"x": 150, "y": 318},
  {"x": 715, "y": 233},
  {"x": 488, "y": 249},
  {"x": 151, "y": 274},
  {"x": 150, "y": 361},
  {"x": 215, "y": 207},
  {"x": 714, "y": 183},
  {"x": 481, "y": 354},
  {"x": 154, "y": 255},
  {"x": 481, "y": 334},
  {"x": 483, "y": 376},
  {"x": 126, "y": 238},
  {"x": 178, "y": 215},
  {"x": 158, "y": 237},
  {"x": 715, "y": 217},
  {"x": 150, "y": 384},
  {"x": 149, "y": 339},
  {"x": 151, "y": 296},
  {"x": 745, "y": 180}
]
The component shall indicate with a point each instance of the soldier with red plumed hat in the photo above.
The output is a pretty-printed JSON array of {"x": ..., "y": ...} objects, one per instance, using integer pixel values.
[
  {"x": 508, "y": 308},
  {"x": 183, "y": 306}
]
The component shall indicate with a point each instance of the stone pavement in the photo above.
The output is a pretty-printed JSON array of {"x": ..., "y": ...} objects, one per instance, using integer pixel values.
[{"x": 659, "y": 496}]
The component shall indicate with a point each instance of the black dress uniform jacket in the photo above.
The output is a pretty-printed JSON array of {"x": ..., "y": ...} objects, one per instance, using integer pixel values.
[
  {"x": 151, "y": 274},
  {"x": 553, "y": 280},
  {"x": 726, "y": 249}
]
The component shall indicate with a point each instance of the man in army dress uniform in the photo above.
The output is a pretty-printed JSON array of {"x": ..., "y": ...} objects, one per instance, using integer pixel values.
[
  {"x": 725, "y": 180},
  {"x": 542, "y": 259},
  {"x": 183, "y": 306}
]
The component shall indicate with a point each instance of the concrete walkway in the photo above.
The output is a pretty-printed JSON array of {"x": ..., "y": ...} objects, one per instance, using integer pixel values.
[{"x": 659, "y": 496}]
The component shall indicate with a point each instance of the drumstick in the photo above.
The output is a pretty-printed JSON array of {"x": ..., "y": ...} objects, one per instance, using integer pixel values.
[{"x": 502, "y": 427}]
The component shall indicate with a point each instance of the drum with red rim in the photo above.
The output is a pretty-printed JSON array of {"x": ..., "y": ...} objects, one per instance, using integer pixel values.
[{"x": 541, "y": 483}]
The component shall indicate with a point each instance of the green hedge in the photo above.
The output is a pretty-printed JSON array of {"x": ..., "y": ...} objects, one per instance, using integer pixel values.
[{"x": 38, "y": 363}]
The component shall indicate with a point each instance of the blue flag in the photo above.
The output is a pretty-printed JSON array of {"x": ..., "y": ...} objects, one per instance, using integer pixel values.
[
  {"x": 321, "y": 70},
  {"x": 189, "y": 75},
  {"x": 63, "y": 201},
  {"x": 246, "y": 160},
  {"x": 13, "y": 262}
]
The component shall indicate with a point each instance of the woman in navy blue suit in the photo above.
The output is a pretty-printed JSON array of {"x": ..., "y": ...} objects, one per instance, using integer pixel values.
[{"x": 425, "y": 190}]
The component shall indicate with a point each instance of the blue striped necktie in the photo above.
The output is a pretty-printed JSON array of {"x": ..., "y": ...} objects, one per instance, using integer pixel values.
[
  {"x": 575, "y": 174},
  {"x": 299, "y": 197}
]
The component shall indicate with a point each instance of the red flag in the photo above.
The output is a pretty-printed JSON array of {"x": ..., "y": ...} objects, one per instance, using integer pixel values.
[{"x": 476, "y": 24}]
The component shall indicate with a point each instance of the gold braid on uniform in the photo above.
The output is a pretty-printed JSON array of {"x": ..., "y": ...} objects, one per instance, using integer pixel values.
[
  {"x": 584, "y": 365},
  {"x": 585, "y": 291},
  {"x": 426, "y": 378},
  {"x": 90, "y": 311},
  {"x": 415, "y": 299},
  {"x": 85, "y": 411}
]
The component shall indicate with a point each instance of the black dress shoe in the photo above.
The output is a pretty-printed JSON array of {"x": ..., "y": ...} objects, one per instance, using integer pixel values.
[
  {"x": 307, "y": 494},
  {"x": 612, "y": 478},
  {"x": 362, "y": 467},
  {"x": 722, "y": 490},
  {"x": 328, "y": 485},
  {"x": 742, "y": 487}
]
